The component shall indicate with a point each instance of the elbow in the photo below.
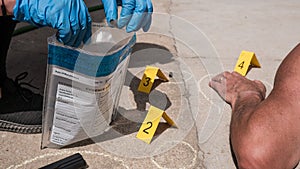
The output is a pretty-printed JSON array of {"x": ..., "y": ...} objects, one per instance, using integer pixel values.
[
  {"x": 252, "y": 157},
  {"x": 263, "y": 155},
  {"x": 253, "y": 151}
]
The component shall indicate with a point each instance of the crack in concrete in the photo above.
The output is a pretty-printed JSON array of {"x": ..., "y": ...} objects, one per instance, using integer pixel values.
[
  {"x": 186, "y": 91},
  {"x": 170, "y": 26}
]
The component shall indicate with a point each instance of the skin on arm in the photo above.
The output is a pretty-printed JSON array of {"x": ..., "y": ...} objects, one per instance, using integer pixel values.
[
  {"x": 265, "y": 133},
  {"x": 9, "y": 5}
]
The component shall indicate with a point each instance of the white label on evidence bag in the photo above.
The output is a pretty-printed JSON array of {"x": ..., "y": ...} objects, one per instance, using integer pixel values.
[{"x": 83, "y": 109}]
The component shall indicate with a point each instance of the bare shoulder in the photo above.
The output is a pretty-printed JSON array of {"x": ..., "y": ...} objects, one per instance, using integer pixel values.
[
  {"x": 284, "y": 103},
  {"x": 287, "y": 80}
]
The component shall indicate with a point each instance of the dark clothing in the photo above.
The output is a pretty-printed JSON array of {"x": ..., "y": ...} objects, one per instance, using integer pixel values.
[{"x": 7, "y": 26}]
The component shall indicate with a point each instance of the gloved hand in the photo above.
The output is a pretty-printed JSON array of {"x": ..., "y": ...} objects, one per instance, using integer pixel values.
[
  {"x": 135, "y": 14},
  {"x": 70, "y": 17}
]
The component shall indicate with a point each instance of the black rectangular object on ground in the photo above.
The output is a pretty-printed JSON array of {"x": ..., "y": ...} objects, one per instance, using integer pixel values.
[{"x": 75, "y": 161}]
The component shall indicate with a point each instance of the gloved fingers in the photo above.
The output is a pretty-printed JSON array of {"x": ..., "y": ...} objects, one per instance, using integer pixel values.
[
  {"x": 126, "y": 12},
  {"x": 85, "y": 31},
  {"x": 70, "y": 17},
  {"x": 88, "y": 33},
  {"x": 83, "y": 35},
  {"x": 148, "y": 21},
  {"x": 75, "y": 19},
  {"x": 148, "y": 18},
  {"x": 78, "y": 28},
  {"x": 64, "y": 34},
  {"x": 140, "y": 17},
  {"x": 64, "y": 30},
  {"x": 73, "y": 38},
  {"x": 111, "y": 10},
  {"x": 136, "y": 21},
  {"x": 79, "y": 37},
  {"x": 149, "y": 6}
]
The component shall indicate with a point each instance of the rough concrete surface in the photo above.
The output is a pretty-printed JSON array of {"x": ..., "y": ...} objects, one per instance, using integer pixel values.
[{"x": 194, "y": 40}]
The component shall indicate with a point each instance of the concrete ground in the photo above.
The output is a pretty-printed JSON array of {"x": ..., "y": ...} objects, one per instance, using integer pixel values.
[{"x": 192, "y": 39}]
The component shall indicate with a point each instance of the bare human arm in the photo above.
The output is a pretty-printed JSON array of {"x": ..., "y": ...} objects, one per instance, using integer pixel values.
[
  {"x": 9, "y": 5},
  {"x": 265, "y": 133}
]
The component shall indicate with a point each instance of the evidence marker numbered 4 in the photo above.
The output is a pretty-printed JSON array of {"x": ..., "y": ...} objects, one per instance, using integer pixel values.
[{"x": 246, "y": 59}]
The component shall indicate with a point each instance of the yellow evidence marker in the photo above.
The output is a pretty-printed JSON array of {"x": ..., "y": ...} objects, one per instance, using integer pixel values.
[
  {"x": 149, "y": 76},
  {"x": 150, "y": 124},
  {"x": 245, "y": 60}
]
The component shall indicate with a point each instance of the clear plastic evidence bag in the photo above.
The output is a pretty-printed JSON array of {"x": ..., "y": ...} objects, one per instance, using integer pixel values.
[{"x": 83, "y": 86}]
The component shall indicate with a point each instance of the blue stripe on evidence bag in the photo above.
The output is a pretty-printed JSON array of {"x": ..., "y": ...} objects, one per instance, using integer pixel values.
[{"x": 91, "y": 65}]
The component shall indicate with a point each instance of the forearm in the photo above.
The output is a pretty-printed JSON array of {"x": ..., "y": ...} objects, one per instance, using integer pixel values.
[
  {"x": 260, "y": 131},
  {"x": 9, "y": 6},
  {"x": 247, "y": 130},
  {"x": 242, "y": 110}
]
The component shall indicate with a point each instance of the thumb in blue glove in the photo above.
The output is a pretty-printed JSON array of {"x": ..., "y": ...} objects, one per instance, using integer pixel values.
[
  {"x": 135, "y": 14},
  {"x": 111, "y": 11},
  {"x": 70, "y": 17}
]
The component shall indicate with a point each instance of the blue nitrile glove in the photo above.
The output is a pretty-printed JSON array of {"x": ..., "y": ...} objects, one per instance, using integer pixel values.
[
  {"x": 135, "y": 14},
  {"x": 70, "y": 17}
]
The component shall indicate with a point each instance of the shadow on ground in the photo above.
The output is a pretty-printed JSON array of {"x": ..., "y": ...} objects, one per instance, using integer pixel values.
[{"x": 129, "y": 121}]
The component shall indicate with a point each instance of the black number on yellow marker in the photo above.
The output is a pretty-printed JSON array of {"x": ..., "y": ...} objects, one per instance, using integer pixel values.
[
  {"x": 241, "y": 65},
  {"x": 145, "y": 130},
  {"x": 147, "y": 81}
]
